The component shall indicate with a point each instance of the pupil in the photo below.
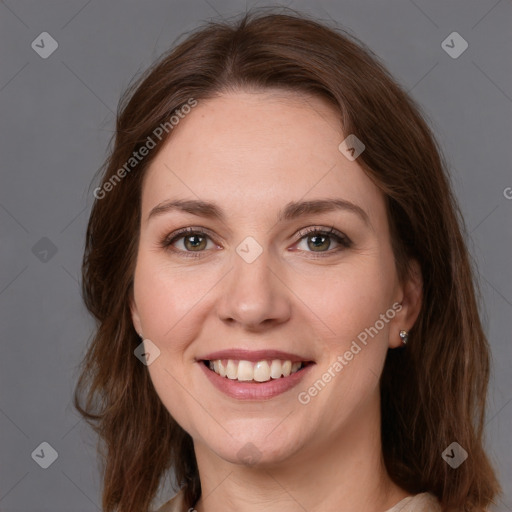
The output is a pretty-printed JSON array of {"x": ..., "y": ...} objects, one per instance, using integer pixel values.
[
  {"x": 195, "y": 244},
  {"x": 315, "y": 239}
]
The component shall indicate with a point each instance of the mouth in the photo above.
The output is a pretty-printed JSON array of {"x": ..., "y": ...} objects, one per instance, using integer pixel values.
[
  {"x": 261, "y": 371},
  {"x": 254, "y": 374}
]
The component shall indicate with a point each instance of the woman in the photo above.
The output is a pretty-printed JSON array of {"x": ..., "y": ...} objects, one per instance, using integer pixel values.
[{"x": 264, "y": 375}]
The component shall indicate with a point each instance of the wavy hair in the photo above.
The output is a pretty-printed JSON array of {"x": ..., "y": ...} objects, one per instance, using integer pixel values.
[{"x": 433, "y": 391}]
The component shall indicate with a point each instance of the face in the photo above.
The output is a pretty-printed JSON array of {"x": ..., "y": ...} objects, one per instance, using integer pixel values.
[{"x": 287, "y": 267}]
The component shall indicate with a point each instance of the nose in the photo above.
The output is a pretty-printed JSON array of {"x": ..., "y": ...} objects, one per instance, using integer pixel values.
[{"x": 255, "y": 295}]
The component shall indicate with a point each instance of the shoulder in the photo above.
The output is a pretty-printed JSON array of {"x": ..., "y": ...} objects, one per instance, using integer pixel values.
[
  {"x": 176, "y": 504},
  {"x": 423, "y": 502}
]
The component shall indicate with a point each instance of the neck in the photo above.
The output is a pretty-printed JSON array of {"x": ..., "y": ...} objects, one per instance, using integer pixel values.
[{"x": 343, "y": 472}]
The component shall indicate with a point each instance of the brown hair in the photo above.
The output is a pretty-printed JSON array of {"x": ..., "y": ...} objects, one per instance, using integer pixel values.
[{"x": 433, "y": 391}]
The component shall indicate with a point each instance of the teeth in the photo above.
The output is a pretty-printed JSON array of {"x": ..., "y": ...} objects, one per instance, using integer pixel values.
[
  {"x": 245, "y": 371},
  {"x": 261, "y": 371},
  {"x": 276, "y": 369},
  {"x": 222, "y": 369},
  {"x": 296, "y": 367},
  {"x": 231, "y": 370}
]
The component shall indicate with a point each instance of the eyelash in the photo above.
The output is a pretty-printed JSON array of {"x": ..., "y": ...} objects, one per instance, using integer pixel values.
[{"x": 343, "y": 240}]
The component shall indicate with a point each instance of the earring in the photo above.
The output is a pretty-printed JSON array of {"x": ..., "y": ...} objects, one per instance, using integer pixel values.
[{"x": 404, "y": 336}]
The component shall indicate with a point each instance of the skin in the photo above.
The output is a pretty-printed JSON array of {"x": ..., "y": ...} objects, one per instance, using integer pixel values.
[{"x": 252, "y": 153}]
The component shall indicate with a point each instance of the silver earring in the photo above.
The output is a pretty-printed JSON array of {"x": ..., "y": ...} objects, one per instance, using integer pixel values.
[{"x": 404, "y": 336}]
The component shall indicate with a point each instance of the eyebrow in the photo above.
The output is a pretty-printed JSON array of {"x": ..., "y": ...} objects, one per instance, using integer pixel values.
[{"x": 292, "y": 210}]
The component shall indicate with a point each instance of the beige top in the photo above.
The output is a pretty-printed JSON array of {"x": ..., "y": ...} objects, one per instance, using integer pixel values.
[{"x": 424, "y": 502}]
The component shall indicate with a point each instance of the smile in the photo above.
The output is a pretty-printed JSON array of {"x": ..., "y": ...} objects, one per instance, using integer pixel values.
[
  {"x": 249, "y": 371},
  {"x": 254, "y": 374}
]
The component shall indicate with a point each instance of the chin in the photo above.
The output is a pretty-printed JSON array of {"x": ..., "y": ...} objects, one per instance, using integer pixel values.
[{"x": 260, "y": 450}]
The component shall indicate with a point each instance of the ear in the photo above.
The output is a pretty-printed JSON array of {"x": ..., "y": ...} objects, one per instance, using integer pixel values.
[
  {"x": 411, "y": 297},
  {"x": 135, "y": 317}
]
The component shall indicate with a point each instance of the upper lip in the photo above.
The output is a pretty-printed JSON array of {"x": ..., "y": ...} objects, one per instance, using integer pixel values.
[{"x": 253, "y": 355}]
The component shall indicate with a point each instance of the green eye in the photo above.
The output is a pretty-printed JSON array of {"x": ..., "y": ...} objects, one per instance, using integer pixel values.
[
  {"x": 320, "y": 241},
  {"x": 195, "y": 241}
]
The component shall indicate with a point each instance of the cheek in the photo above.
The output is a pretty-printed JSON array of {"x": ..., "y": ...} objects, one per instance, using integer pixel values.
[
  {"x": 166, "y": 297},
  {"x": 351, "y": 300},
  {"x": 355, "y": 348}
]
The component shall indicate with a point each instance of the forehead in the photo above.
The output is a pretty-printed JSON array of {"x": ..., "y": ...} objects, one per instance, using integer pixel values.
[{"x": 257, "y": 151}]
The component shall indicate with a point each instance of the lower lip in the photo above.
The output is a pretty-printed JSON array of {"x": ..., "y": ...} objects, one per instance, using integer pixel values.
[{"x": 254, "y": 390}]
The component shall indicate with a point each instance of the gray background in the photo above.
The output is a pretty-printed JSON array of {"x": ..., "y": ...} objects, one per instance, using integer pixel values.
[{"x": 57, "y": 116}]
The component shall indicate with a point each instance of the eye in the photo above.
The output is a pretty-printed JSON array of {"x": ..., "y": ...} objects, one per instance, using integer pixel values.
[
  {"x": 192, "y": 241},
  {"x": 320, "y": 240}
]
